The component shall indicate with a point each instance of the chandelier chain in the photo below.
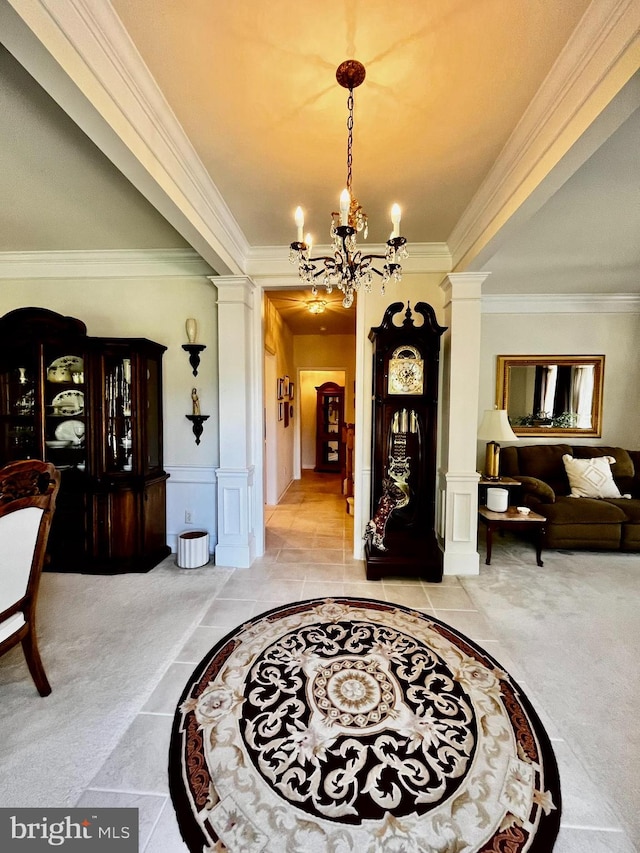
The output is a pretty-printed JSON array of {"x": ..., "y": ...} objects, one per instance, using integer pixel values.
[{"x": 349, "y": 138}]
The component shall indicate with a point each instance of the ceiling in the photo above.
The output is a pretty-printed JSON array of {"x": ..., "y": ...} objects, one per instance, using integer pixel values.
[
  {"x": 252, "y": 85},
  {"x": 292, "y": 305}
]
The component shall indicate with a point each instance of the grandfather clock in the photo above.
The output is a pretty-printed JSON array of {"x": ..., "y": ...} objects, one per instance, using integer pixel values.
[{"x": 400, "y": 537}]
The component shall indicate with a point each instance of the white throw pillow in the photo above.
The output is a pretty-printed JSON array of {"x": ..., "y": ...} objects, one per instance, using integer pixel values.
[{"x": 591, "y": 478}]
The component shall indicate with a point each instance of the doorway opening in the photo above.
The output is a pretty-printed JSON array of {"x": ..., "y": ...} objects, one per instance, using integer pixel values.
[{"x": 302, "y": 351}]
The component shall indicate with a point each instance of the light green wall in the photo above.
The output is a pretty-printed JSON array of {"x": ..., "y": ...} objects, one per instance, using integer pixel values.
[
  {"x": 146, "y": 308},
  {"x": 614, "y": 335}
]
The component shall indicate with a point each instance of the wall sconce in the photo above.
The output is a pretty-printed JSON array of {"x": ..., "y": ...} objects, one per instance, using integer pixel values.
[
  {"x": 197, "y": 419},
  {"x": 192, "y": 347},
  {"x": 495, "y": 427}
]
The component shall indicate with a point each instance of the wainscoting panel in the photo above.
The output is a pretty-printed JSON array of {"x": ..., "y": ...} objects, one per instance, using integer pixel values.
[
  {"x": 460, "y": 522},
  {"x": 191, "y": 491},
  {"x": 236, "y": 538}
]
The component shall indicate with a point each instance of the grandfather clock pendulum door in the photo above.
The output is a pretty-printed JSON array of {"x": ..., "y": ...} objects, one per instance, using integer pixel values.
[{"x": 400, "y": 537}]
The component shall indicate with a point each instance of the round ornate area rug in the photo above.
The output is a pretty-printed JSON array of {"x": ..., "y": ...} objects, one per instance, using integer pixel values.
[{"x": 344, "y": 724}]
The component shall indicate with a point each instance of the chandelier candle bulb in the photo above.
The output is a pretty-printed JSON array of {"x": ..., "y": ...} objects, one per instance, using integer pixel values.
[
  {"x": 345, "y": 201},
  {"x": 299, "y": 219},
  {"x": 395, "y": 219},
  {"x": 309, "y": 242}
]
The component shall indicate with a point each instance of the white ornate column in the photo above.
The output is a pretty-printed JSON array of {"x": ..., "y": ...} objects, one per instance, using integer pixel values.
[
  {"x": 236, "y": 382},
  {"x": 458, "y": 476}
]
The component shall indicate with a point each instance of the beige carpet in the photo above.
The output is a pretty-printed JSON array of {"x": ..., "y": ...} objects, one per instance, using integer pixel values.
[{"x": 102, "y": 662}]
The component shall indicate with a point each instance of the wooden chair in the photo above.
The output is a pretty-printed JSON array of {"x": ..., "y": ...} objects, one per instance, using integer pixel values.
[{"x": 28, "y": 492}]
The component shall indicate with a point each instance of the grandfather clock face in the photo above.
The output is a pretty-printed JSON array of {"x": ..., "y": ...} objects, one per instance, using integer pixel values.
[{"x": 406, "y": 371}]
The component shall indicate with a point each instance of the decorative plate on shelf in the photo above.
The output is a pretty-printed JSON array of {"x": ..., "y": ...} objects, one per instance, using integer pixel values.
[
  {"x": 68, "y": 403},
  {"x": 72, "y": 431},
  {"x": 63, "y": 368},
  {"x": 60, "y": 443}
]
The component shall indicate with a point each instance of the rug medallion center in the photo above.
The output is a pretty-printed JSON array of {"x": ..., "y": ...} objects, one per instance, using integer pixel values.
[
  {"x": 352, "y": 692},
  {"x": 349, "y": 720}
]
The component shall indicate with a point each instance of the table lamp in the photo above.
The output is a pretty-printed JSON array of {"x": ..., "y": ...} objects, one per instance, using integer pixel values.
[{"x": 495, "y": 427}]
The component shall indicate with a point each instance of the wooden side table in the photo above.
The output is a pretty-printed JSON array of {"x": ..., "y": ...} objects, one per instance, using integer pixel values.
[
  {"x": 515, "y": 520},
  {"x": 508, "y": 483}
]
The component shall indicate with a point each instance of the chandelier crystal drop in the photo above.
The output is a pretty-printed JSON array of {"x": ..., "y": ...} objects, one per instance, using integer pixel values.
[{"x": 347, "y": 268}]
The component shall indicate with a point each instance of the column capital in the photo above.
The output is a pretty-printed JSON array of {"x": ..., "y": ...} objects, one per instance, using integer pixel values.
[
  {"x": 234, "y": 289},
  {"x": 463, "y": 285}
]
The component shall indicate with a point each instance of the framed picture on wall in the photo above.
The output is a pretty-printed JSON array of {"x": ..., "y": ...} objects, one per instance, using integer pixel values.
[
  {"x": 286, "y": 414},
  {"x": 280, "y": 411},
  {"x": 286, "y": 386},
  {"x": 291, "y": 390},
  {"x": 280, "y": 388}
]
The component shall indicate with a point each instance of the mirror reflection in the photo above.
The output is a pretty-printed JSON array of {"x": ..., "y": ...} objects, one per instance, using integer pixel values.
[{"x": 552, "y": 395}]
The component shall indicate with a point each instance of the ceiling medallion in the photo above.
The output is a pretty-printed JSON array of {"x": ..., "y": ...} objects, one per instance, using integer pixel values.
[{"x": 348, "y": 269}]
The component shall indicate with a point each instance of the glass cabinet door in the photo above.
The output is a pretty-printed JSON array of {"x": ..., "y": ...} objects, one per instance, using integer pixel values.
[
  {"x": 330, "y": 417},
  {"x": 118, "y": 449},
  {"x": 331, "y": 408},
  {"x": 131, "y": 378},
  {"x": 19, "y": 434},
  {"x": 65, "y": 406}
]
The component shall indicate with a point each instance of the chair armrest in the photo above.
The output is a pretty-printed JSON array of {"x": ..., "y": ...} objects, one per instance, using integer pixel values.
[{"x": 537, "y": 489}]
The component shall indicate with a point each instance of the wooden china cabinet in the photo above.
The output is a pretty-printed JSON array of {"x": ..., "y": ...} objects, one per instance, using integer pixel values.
[
  {"x": 93, "y": 407},
  {"x": 329, "y": 423}
]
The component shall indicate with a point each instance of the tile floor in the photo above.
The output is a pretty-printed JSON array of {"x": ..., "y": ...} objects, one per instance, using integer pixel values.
[{"x": 308, "y": 554}]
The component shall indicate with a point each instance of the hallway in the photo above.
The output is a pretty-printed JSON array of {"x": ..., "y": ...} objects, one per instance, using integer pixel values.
[
  {"x": 309, "y": 553},
  {"x": 309, "y": 537}
]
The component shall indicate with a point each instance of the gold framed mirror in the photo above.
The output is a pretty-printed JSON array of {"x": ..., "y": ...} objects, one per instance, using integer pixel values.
[{"x": 552, "y": 395}]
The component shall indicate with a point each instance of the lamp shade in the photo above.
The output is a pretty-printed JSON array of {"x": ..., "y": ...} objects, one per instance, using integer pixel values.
[{"x": 495, "y": 426}]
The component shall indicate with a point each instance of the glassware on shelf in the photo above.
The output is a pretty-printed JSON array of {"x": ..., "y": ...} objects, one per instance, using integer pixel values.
[
  {"x": 24, "y": 404},
  {"x": 118, "y": 402}
]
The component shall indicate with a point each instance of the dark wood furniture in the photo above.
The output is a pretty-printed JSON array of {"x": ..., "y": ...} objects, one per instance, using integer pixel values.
[
  {"x": 329, "y": 423},
  {"x": 28, "y": 492},
  {"x": 93, "y": 407},
  {"x": 401, "y": 536},
  {"x": 532, "y": 522}
]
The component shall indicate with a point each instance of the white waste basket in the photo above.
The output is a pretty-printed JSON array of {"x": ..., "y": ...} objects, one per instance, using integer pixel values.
[
  {"x": 193, "y": 549},
  {"x": 497, "y": 500}
]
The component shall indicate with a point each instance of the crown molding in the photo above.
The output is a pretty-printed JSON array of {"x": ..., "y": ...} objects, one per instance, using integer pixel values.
[
  {"x": 597, "y": 61},
  {"x": 273, "y": 261},
  {"x": 561, "y": 303},
  {"x": 107, "y": 263},
  {"x": 116, "y": 101}
]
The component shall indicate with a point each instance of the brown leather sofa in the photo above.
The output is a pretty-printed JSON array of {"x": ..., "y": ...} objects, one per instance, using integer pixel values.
[{"x": 597, "y": 523}]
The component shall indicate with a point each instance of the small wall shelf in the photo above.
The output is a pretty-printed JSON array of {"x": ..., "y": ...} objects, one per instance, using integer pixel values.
[
  {"x": 194, "y": 351},
  {"x": 197, "y": 422}
]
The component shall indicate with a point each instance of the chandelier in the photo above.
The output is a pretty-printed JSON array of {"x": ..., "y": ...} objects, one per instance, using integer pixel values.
[{"x": 347, "y": 268}]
